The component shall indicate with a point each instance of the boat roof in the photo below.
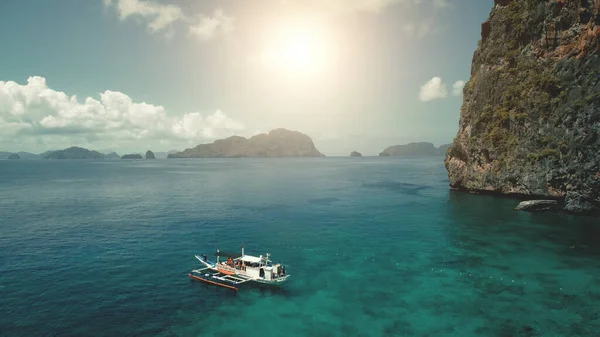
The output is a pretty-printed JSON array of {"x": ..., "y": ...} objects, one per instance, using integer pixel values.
[
  {"x": 251, "y": 259},
  {"x": 228, "y": 254}
]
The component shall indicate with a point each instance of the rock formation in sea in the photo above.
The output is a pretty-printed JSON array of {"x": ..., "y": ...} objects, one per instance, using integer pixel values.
[
  {"x": 537, "y": 205},
  {"x": 414, "y": 149},
  {"x": 73, "y": 152},
  {"x": 14, "y": 156},
  {"x": 530, "y": 119},
  {"x": 132, "y": 156},
  {"x": 355, "y": 154},
  {"x": 276, "y": 144},
  {"x": 150, "y": 155}
]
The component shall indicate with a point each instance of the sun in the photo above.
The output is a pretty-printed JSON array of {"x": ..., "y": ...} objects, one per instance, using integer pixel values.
[{"x": 300, "y": 50}]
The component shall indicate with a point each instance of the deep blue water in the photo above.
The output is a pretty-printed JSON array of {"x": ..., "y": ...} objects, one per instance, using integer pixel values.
[{"x": 375, "y": 247}]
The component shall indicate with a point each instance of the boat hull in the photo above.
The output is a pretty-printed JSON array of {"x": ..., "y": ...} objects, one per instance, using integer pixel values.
[{"x": 226, "y": 270}]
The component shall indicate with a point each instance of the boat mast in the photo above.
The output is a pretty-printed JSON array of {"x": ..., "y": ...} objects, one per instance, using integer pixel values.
[{"x": 242, "y": 249}]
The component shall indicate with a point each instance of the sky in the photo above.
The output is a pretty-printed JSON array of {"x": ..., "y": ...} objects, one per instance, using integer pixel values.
[{"x": 133, "y": 75}]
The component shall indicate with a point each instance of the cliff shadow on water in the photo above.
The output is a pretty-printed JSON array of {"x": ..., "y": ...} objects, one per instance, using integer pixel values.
[{"x": 530, "y": 119}]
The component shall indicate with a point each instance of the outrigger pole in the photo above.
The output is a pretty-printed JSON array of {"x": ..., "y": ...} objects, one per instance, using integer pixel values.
[{"x": 212, "y": 282}]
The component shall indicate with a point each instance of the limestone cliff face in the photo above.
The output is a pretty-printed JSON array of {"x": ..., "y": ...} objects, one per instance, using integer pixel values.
[
  {"x": 277, "y": 144},
  {"x": 530, "y": 119}
]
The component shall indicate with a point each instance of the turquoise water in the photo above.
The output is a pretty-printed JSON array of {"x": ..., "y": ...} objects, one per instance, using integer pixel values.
[{"x": 375, "y": 247}]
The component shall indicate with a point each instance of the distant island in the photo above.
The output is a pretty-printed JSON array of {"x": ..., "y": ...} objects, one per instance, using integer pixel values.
[
  {"x": 355, "y": 154},
  {"x": 415, "y": 149},
  {"x": 73, "y": 152},
  {"x": 278, "y": 143},
  {"x": 22, "y": 155},
  {"x": 163, "y": 155},
  {"x": 112, "y": 155},
  {"x": 132, "y": 156}
]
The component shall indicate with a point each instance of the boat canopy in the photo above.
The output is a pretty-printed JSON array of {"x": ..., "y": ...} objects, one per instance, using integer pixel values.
[
  {"x": 228, "y": 255},
  {"x": 250, "y": 259}
]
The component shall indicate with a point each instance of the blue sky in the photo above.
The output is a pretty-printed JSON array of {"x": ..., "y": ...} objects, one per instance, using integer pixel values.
[{"x": 352, "y": 74}]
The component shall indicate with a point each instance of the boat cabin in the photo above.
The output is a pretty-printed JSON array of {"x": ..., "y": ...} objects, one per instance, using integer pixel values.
[{"x": 252, "y": 266}]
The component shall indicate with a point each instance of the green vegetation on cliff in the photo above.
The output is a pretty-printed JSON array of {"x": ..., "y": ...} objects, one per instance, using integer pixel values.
[{"x": 530, "y": 118}]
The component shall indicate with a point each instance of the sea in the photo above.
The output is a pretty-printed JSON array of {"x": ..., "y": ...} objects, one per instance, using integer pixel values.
[{"x": 374, "y": 246}]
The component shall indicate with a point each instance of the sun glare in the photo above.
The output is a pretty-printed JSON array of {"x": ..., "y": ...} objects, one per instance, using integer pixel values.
[{"x": 299, "y": 50}]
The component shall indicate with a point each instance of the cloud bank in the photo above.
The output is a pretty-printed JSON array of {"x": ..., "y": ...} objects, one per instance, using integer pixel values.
[
  {"x": 161, "y": 17},
  {"x": 36, "y": 113}
]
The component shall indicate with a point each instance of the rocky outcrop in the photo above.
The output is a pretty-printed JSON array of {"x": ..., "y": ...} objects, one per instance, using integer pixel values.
[
  {"x": 414, "y": 149},
  {"x": 14, "y": 156},
  {"x": 355, "y": 154},
  {"x": 537, "y": 205},
  {"x": 132, "y": 156},
  {"x": 73, "y": 152},
  {"x": 278, "y": 143},
  {"x": 150, "y": 155},
  {"x": 530, "y": 119}
]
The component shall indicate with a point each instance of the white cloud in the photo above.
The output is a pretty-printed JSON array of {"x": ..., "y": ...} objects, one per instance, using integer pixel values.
[
  {"x": 209, "y": 26},
  {"x": 457, "y": 88},
  {"x": 161, "y": 17},
  {"x": 434, "y": 89},
  {"x": 158, "y": 16},
  {"x": 35, "y": 111}
]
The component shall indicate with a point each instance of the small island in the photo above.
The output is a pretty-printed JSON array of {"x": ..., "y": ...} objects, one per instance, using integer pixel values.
[
  {"x": 132, "y": 156},
  {"x": 14, "y": 156},
  {"x": 150, "y": 155},
  {"x": 279, "y": 143},
  {"x": 355, "y": 154},
  {"x": 415, "y": 149},
  {"x": 112, "y": 155}
]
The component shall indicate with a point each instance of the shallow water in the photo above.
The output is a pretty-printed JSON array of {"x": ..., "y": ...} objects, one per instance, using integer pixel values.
[{"x": 375, "y": 247}]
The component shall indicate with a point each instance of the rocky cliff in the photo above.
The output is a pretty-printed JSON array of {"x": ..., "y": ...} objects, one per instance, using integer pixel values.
[
  {"x": 530, "y": 119},
  {"x": 278, "y": 143}
]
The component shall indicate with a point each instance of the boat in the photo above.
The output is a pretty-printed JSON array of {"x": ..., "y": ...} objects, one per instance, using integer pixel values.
[{"x": 236, "y": 269}]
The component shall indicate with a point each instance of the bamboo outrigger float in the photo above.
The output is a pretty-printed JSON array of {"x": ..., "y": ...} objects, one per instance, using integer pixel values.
[{"x": 239, "y": 269}]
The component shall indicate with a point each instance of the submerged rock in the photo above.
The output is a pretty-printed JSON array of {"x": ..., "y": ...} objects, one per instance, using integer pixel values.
[
  {"x": 530, "y": 119},
  {"x": 537, "y": 205}
]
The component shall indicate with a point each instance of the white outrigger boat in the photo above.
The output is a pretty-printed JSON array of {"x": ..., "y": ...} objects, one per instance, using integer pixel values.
[{"x": 238, "y": 269}]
